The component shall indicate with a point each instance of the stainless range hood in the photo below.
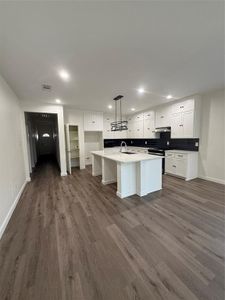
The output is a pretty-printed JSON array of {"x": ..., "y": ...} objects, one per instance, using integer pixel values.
[{"x": 162, "y": 129}]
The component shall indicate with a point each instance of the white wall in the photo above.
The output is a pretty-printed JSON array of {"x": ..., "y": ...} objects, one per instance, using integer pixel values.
[
  {"x": 52, "y": 109},
  {"x": 212, "y": 138},
  {"x": 12, "y": 175}
]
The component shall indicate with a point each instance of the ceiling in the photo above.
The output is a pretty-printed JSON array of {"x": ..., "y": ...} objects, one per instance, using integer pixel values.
[{"x": 111, "y": 48}]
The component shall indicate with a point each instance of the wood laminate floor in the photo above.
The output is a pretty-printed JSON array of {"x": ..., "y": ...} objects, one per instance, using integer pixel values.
[{"x": 72, "y": 238}]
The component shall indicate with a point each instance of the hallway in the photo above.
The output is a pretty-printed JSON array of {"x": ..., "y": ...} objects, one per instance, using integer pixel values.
[{"x": 72, "y": 238}]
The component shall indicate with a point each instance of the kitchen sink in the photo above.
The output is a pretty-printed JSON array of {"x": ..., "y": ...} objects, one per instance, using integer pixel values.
[{"x": 127, "y": 152}]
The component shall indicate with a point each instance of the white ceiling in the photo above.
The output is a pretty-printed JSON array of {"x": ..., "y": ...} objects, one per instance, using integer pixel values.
[{"x": 110, "y": 48}]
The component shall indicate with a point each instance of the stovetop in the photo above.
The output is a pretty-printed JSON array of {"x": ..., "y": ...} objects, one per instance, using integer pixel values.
[{"x": 155, "y": 150}]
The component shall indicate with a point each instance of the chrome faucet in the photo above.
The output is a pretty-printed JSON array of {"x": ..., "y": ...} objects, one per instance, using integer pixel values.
[{"x": 121, "y": 146}]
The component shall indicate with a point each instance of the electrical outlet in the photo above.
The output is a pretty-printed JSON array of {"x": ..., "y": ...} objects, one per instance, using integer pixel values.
[{"x": 196, "y": 144}]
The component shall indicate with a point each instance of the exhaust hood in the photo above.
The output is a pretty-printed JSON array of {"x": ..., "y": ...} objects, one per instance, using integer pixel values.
[{"x": 162, "y": 129}]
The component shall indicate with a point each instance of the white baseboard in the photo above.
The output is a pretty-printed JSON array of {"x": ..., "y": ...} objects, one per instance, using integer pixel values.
[
  {"x": 118, "y": 194},
  {"x": 108, "y": 181},
  {"x": 63, "y": 174},
  {"x": 212, "y": 179},
  {"x": 7, "y": 218}
]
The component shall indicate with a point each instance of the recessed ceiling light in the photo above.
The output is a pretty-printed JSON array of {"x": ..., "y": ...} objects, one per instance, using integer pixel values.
[
  {"x": 141, "y": 90},
  {"x": 169, "y": 97},
  {"x": 64, "y": 75},
  {"x": 57, "y": 100},
  {"x": 110, "y": 106},
  {"x": 133, "y": 109}
]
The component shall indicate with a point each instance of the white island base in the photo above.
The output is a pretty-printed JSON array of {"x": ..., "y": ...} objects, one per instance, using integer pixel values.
[{"x": 139, "y": 174}]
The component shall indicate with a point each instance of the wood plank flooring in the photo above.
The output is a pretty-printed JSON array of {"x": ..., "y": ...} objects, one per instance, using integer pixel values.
[{"x": 72, "y": 238}]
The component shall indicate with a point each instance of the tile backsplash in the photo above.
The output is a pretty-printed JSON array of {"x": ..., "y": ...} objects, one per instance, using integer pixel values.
[{"x": 164, "y": 142}]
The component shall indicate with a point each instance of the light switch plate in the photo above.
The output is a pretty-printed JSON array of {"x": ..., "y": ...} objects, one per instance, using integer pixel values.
[{"x": 196, "y": 144}]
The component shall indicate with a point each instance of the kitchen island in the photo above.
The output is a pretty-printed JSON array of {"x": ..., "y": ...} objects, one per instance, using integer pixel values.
[{"x": 135, "y": 173}]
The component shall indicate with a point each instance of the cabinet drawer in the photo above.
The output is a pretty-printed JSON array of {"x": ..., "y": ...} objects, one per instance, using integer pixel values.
[
  {"x": 181, "y": 156},
  {"x": 169, "y": 155}
]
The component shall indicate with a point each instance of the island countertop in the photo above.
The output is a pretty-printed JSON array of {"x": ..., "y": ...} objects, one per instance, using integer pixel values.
[{"x": 125, "y": 158}]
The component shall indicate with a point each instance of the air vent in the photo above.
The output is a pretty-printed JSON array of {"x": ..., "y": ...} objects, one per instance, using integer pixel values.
[{"x": 46, "y": 87}]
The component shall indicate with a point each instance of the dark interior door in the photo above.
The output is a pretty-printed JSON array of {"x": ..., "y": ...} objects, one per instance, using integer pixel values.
[{"x": 46, "y": 143}]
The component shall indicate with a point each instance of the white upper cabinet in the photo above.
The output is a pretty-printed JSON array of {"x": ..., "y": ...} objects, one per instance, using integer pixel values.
[
  {"x": 176, "y": 125},
  {"x": 183, "y": 106},
  {"x": 135, "y": 126},
  {"x": 141, "y": 125},
  {"x": 149, "y": 115},
  {"x": 138, "y": 117},
  {"x": 182, "y": 125},
  {"x": 93, "y": 121},
  {"x": 188, "y": 124},
  {"x": 138, "y": 129},
  {"x": 162, "y": 117},
  {"x": 149, "y": 125},
  {"x": 149, "y": 129},
  {"x": 107, "y": 133},
  {"x": 130, "y": 132},
  {"x": 185, "y": 119}
]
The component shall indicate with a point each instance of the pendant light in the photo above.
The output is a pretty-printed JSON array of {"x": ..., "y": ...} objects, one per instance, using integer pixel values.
[{"x": 119, "y": 124}]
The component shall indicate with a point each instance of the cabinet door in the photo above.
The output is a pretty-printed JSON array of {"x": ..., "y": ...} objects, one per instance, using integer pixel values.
[
  {"x": 108, "y": 134},
  {"x": 181, "y": 167},
  {"x": 176, "y": 124},
  {"x": 120, "y": 134},
  {"x": 138, "y": 129},
  {"x": 162, "y": 119},
  {"x": 170, "y": 165},
  {"x": 93, "y": 121},
  {"x": 149, "y": 115},
  {"x": 149, "y": 127},
  {"x": 188, "y": 124},
  {"x": 130, "y": 132},
  {"x": 183, "y": 106},
  {"x": 138, "y": 117}
]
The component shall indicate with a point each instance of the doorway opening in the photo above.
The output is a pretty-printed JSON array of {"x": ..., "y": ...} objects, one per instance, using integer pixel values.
[{"x": 42, "y": 140}]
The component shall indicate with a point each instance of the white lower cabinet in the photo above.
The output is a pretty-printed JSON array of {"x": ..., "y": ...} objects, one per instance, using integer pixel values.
[{"x": 182, "y": 163}]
